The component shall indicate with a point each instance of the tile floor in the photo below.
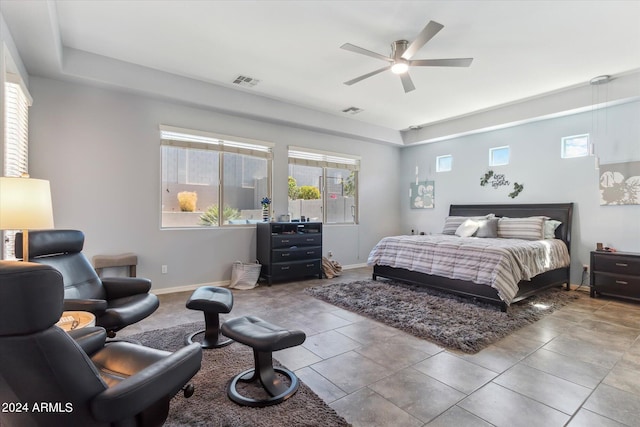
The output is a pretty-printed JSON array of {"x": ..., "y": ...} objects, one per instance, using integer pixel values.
[{"x": 579, "y": 366}]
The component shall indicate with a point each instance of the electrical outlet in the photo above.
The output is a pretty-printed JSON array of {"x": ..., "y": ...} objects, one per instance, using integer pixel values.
[
  {"x": 164, "y": 269},
  {"x": 330, "y": 254},
  {"x": 585, "y": 268}
]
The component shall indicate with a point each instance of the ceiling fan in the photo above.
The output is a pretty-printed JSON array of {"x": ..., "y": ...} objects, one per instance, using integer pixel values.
[{"x": 401, "y": 53}]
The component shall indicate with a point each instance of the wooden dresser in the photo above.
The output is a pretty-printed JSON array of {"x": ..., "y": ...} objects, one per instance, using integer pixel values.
[
  {"x": 289, "y": 250},
  {"x": 616, "y": 274}
]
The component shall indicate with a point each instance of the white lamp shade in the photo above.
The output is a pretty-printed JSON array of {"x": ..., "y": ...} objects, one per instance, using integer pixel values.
[{"x": 25, "y": 204}]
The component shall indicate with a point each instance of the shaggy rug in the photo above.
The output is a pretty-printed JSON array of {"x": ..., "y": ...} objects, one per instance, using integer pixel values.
[
  {"x": 210, "y": 406},
  {"x": 445, "y": 319}
]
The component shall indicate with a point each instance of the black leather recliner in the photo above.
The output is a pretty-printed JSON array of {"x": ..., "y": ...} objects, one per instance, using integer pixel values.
[
  {"x": 116, "y": 301},
  {"x": 49, "y": 379}
]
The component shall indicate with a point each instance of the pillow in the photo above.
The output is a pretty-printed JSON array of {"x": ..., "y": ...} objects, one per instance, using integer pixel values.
[
  {"x": 530, "y": 228},
  {"x": 550, "y": 226},
  {"x": 451, "y": 223},
  {"x": 467, "y": 228},
  {"x": 487, "y": 228}
]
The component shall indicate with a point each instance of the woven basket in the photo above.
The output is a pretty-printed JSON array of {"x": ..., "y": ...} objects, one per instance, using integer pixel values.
[{"x": 245, "y": 275}]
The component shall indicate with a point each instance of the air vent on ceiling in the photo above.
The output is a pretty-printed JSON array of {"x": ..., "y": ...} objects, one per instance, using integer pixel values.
[
  {"x": 352, "y": 110},
  {"x": 246, "y": 81}
]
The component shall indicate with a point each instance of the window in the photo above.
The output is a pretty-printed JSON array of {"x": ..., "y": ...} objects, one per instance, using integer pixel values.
[
  {"x": 499, "y": 156},
  {"x": 16, "y": 142},
  {"x": 323, "y": 186},
  {"x": 444, "y": 163},
  {"x": 575, "y": 146},
  {"x": 203, "y": 171}
]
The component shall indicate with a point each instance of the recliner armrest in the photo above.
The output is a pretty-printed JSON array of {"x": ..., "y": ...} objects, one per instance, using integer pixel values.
[
  {"x": 137, "y": 392},
  {"x": 90, "y": 339},
  {"x": 120, "y": 287},
  {"x": 95, "y": 306}
]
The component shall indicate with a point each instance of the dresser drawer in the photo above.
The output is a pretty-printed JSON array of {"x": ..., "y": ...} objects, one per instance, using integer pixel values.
[
  {"x": 619, "y": 285},
  {"x": 296, "y": 268},
  {"x": 618, "y": 264},
  {"x": 296, "y": 253},
  {"x": 287, "y": 241}
]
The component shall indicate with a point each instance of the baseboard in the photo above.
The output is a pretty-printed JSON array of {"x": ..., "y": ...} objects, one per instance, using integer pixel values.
[
  {"x": 223, "y": 283},
  {"x": 185, "y": 288}
]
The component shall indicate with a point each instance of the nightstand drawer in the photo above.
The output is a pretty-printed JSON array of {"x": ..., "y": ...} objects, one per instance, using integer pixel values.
[
  {"x": 618, "y": 264},
  {"x": 619, "y": 285}
]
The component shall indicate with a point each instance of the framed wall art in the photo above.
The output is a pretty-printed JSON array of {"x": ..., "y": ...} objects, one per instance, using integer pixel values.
[{"x": 422, "y": 195}]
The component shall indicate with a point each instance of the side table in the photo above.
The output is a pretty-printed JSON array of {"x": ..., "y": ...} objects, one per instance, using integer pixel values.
[{"x": 71, "y": 320}]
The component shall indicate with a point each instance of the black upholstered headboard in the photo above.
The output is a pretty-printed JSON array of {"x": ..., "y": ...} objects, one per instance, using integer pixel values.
[{"x": 559, "y": 211}]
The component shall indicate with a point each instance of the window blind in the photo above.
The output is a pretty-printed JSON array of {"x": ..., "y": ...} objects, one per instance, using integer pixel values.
[
  {"x": 185, "y": 138},
  {"x": 16, "y": 147},
  {"x": 309, "y": 157}
]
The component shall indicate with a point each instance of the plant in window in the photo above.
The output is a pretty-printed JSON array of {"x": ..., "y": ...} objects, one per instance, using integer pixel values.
[
  {"x": 293, "y": 188},
  {"x": 211, "y": 215},
  {"x": 350, "y": 185},
  {"x": 308, "y": 192},
  {"x": 187, "y": 201},
  {"x": 265, "y": 202}
]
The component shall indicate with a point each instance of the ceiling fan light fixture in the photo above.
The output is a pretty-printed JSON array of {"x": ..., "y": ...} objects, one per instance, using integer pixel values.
[{"x": 400, "y": 67}]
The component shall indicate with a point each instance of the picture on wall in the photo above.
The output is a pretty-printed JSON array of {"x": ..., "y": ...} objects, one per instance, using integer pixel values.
[
  {"x": 422, "y": 195},
  {"x": 620, "y": 184}
]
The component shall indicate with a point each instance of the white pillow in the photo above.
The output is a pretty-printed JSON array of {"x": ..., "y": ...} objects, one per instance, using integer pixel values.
[
  {"x": 451, "y": 223},
  {"x": 467, "y": 228},
  {"x": 550, "y": 226}
]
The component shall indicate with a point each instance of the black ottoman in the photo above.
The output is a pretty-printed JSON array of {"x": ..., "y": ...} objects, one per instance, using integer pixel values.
[
  {"x": 212, "y": 301},
  {"x": 264, "y": 338}
]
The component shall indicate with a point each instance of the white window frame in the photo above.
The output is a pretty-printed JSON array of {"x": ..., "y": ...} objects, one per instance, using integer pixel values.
[
  {"x": 440, "y": 167},
  {"x": 328, "y": 160},
  {"x": 188, "y": 138},
  {"x": 493, "y": 162},
  {"x": 565, "y": 140},
  {"x": 17, "y": 101}
]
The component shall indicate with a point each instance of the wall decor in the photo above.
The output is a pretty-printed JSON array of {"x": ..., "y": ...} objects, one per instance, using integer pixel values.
[
  {"x": 620, "y": 183},
  {"x": 500, "y": 180},
  {"x": 422, "y": 195}
]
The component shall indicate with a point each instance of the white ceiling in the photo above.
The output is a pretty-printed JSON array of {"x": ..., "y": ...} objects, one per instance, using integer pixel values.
[{"x": 521, "y": 49}]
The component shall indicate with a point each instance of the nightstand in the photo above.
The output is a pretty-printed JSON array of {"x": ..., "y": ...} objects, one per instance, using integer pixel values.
[{"x": 615, "y": 274}]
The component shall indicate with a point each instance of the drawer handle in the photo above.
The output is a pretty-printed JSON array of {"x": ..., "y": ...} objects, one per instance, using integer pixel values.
[
  {"x": 622, "y": 264},
  {"x": 285, "y": 254},
  {"x": 284, "y": 268},
  {"x": 310, "y": 265},
  {"x": 310, "y": 239},
  {"x": 621, "y": 282},
  {"x": 310, "y": 252},
  {"x": 285, "y": 240}
]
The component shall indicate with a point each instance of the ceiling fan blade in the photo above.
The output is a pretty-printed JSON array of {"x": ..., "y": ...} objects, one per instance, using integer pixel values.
[
  {"x": 407, "y": 83},
  {"x": 451, "y": 62},
  {"x": 356, "y": 49},
  {"x": 425, "y": 35},
  {"x": 366, "y": 76}
]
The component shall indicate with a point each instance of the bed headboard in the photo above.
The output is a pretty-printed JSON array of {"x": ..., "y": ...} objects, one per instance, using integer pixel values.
[{"x": 559, "y": 211}]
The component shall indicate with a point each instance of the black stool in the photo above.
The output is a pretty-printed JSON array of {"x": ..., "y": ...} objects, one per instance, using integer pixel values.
[
  {"x": 264, "y": 338},
  {"x": 212, "y": 301}
]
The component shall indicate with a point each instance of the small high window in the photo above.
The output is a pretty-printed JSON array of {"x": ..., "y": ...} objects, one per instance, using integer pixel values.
[
  {"x": 444, "y": 163},
  {"x": 575, "y": 146},
  {"x": 499, "y": 156}
]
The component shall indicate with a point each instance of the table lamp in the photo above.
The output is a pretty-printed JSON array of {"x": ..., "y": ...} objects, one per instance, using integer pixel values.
[{"x": 25, "y": 204}]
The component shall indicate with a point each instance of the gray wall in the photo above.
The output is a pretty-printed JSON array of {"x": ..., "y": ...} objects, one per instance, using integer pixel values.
[
  {"x": 547, "y": 178},
  {"x": 101, "y": 151}
]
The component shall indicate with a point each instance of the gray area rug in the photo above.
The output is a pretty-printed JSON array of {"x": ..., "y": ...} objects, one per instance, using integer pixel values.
[
  {"x": 445, "y": 319},
  {"x": 210, "y": 406}
]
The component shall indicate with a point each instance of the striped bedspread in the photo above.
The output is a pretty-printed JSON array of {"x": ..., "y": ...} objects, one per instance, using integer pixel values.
[{"x": 499, "y": 263}]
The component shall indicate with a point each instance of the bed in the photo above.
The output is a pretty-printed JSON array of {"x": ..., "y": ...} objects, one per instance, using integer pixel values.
[{"x": 555, "y": 277}]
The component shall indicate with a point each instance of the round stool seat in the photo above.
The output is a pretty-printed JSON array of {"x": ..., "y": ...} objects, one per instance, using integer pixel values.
[
  {"x": 212, "y": 301},
  {"x": 264, "y": 338}
]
